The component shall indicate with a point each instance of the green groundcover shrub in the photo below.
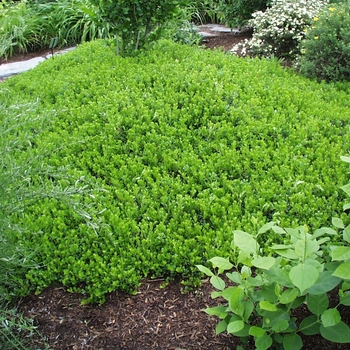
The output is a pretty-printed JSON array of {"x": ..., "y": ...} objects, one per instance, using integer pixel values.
[
  {"x": 187, "y": 144},
  {"x": 23, "y": 182}
]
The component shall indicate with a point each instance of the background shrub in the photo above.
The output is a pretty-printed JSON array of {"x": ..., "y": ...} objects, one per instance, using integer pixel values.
[
  {"x": 204, "y": 11},
  {"x": 237, "y": 13},
  {"x": 326, "y": 49},
  {"x": 279, "y": 30},
  {"x": 138, "y": 22}
]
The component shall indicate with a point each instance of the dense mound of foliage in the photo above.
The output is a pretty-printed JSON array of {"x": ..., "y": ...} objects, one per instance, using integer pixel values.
[
  {"x": 187, "y": 145},
  {"x": 326, "y": 53}
]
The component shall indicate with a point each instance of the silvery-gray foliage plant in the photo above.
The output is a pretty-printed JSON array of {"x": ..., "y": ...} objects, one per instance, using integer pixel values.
[{"x": 279, "y": 30}]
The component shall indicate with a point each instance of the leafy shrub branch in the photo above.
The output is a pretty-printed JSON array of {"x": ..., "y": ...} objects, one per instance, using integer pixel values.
[
  {"x": 266, "y": 288},
  {"x": 136, "y": 22}
]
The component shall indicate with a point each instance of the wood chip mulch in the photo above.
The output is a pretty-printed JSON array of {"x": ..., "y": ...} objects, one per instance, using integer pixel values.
[{"x": 155, "y": 318}]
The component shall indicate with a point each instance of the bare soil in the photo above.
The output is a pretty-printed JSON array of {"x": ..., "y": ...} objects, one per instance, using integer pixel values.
[{"x": 156, "y": 318}]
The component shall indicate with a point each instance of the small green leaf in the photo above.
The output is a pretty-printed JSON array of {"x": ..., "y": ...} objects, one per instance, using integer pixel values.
[
  {"x": 297, "y": 302},
  {"x": 256, "y": 281},
  {"x": 305, "y": 248},
  {"x": 220, "y": 327},
  {"x": 216, "y": 295},
  {"x": 340, "y": 333},
  {"x": 234, "y": 277},
  {"x": 278, "y": 338},
  {"x": 243, "y": 332},
  {"x": 246, "y": 272},
  {"x": 217, "y": 282},
  {"x": 278, "y": 230},
  {"x": 310, "y": 325},
  {"x": 345, "y": 299},
  {"x": 324, "y": 230},
  {"x": 257, "y": 331},
  {"x": 345, "y": 286},
  {"x": 263, "y": 343},
  {"x": 303, "y": 276},
  {"x": 316, "y": 264},
  {"x": 280, "y": 326},
  {"x": 287, "y": 253},
  {"x": 346, "y": 206},
  {"x": 280, "y": 276},
  {"x": 264, "y": 262},
  {"x": 235, "y": 301},
  {"x": 343, "y": 271},
  {"x": 330, "y": 317},
  {"x": 292, "y": 342},
  {"x": 205, "y": 270},
  {"x": 245, "y": 242},
  {"x": 282, "y": 246},
  {"x": 272, "y": 318},
  {"x": 268, "y": 292},
  {"x": 219, "y": 311},
  {"x": 346, "y": 189},
  {"x": 248, "y": 309},
  {"x": 346, "y": 234},
  {"x": 235, "y": 326},
  {"x": 338, "y": 223},
  {"x": 265, "y": 305},
  {"x": 325, "y": 283},
  {"x": 227, "y": 293},
  {"x": 266, "y": 227},
  {"x": 345, "y": 159},
  {"x": 317, "y": 304},
  {"x": 332, "y": 266},
  {"x": 244, "y": 258},
  {"x": 341, "y": 254},
  {"x": 221, "y": 263},
  {"x": 288, "y": 296}
]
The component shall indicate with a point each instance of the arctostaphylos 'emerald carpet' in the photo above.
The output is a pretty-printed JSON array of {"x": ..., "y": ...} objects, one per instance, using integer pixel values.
[{"x": 183, "y": 146}]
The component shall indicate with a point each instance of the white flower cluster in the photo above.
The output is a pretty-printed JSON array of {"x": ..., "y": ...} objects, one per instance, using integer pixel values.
[{"x": 279, "y": 30}]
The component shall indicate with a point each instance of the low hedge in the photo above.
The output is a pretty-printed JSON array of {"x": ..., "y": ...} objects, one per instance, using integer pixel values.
[{"x": 185, "y": 145}]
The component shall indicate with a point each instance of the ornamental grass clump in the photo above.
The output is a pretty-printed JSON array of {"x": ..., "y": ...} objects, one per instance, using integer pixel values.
[
  {"x": 279, "y": 30},
  {"x": 326, "y": 48}
]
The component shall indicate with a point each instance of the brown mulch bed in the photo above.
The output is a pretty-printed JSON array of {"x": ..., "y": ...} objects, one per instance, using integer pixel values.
[
  {"x": 162, "y": 318},
  {"x": 156, "y": 318}
]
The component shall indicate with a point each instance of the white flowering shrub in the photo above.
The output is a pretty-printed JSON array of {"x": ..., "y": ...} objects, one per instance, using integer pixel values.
[{"x": 279, "y": 30}]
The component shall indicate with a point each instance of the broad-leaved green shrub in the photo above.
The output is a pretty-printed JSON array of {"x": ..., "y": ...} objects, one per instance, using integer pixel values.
[
  {"x": 326, "y": 48},
  {"x": 237, "y": 13},
  {"x": 186, "y": 143},
  {"x": 137, "y": 22},
  {"x": 279, "y": 30},
  {"x": 267, "y": 289},
  {"x": 181, "y": 29}
]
